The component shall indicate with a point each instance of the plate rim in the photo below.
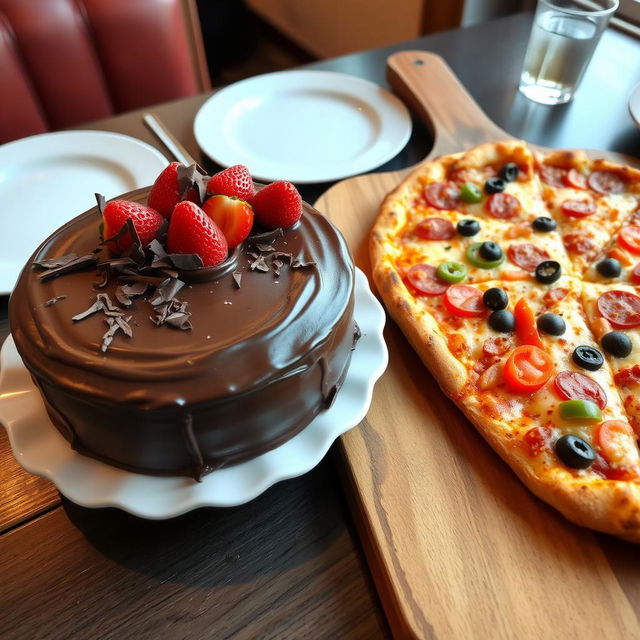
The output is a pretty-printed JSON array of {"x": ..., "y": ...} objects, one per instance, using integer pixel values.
[
  {"x": 110, "y": 483},
  {"x": 399, "y": 110},
  {"x": 8, "y": 157}
]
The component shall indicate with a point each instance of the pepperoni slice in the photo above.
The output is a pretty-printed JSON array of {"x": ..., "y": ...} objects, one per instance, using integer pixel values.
[
  {"x": 635, "y": 274},
  {"x": 629, "y": 238},
  {"x": 526, "y": 255},
  {"x": 465, "y": 301},
  {"x": 503, "y": 205},
  {"x": 573, "y": 385},
  {"x": 424, "y": 279},
  {"x": 606, "y": 182},
  {"x": 579, "y": 208},
  {"x": 575, "y": 179},
  {"x": 578, "y": 243},
  {"x": 553, "y": 176},
  {"x": 435, "y": 229},
  {"x": 620, "y": 308},
  {"x": 442, "y": 195}
]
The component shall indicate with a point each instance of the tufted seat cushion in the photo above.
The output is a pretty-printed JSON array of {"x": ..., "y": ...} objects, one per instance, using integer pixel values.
[{"x": 64, "y": 62}]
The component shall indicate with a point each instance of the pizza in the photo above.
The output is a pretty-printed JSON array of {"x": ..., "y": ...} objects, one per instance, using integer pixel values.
[{"x": 515, "y": 275}]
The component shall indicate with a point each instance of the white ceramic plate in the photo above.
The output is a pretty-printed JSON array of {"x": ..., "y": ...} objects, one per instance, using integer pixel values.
[
  {"x": 39, "y": 448},
  {"x": 634, "y": 105},
  {"x": 303, "y": 126},
  {"x": 48, "y": 179}
]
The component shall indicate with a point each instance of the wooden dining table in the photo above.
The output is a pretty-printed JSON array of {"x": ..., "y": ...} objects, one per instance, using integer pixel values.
[{"x": 289, "y": 564}]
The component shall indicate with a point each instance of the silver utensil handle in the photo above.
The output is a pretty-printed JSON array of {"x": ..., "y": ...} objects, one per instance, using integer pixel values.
[{"x": 174, "y": 147}]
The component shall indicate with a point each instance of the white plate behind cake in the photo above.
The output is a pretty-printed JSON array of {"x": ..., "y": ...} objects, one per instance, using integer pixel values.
[
  {"x": 48, "y": 179},
  {"x": 39, "y": 448},
  {"x": 303, "y": 126}
]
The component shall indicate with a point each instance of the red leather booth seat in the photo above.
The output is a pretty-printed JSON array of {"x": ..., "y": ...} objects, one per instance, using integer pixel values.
[{"x": 64, "y": 62}]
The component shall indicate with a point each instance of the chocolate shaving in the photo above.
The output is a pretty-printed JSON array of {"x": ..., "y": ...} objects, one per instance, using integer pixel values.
[
  {"x": 185, "y": 261},
  {"x": 157, "y": 249},
  {"x": 265, "y": 247},
  {"x": 174, "y": 314},
  {"x": 135, "y": 251},
  {"x": 101, "y": 284},
  {"x": 161, "y": 235},
  {"x": 260, "y": 264},
  {"x": 52, "y": 263},
  {"x": 167, "y": 291},
  {"x": 276, "y": 264},
  {"x": 124, "y": 325},
  {"x": 288, "y": 257},
  {"x": 75, "y": 264},
  {"x": 267, "y": 238},
  {"x": 237, "y": 277},
  {"x": 190, "y": 178},
  {"x": 102, "y": 201},
  {"x": 103, "y": 303},
  {"x": 52, "y": 301},
  {"x": 125, "y": 292},
  {"x": 298, "y": 264}
]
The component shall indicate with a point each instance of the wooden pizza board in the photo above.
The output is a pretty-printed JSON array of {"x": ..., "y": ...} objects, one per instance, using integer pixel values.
[{"x": 458, "y": 547}]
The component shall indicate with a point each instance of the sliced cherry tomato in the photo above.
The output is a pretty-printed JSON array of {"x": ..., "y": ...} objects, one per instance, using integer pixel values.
[
  {"x": 435, "y": 229},
  {"x": 465, "y": 301},
  {"x": 537, "y": 440},
  {"x": 635, "y": 274},
  {"x": 579, "y": 208},
  {"x": 553, "y": 176},
  {"x": 527, "y": 256},
  {"x": 575, "y": 179},
  {"x": 617, "y": 442},
  {"x": 628, "y": 377},
  {"x": 442, "y": 195},
  {"x": 606, "y": 182},
  {"x": 620, "y": 308},
  {"x": 526, "y": 328},
  {"x": 503, "y": 205},
  {"x": 629, "y": 238},
  {"x": 573, "y": 385},
  {"x": 527, "y": 369},
  {"x": 578, "y": 243},
  {"x": 424, "y": 279}
]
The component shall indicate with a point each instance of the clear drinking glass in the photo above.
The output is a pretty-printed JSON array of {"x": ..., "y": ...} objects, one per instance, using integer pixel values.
[{"x": 563, "y": 38}]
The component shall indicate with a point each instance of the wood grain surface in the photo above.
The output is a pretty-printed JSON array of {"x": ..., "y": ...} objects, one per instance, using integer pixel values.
[{"x": 458, "y": 547}]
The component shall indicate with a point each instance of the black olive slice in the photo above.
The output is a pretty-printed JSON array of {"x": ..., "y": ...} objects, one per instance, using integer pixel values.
[
  {"x": 548, "y": 271},
  {"x": 574, "y": 451},
  {"x": 588, "y": 357}
]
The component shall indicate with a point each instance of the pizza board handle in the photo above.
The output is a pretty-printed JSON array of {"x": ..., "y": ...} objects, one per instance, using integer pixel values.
[{"x": 427, "y": 84}]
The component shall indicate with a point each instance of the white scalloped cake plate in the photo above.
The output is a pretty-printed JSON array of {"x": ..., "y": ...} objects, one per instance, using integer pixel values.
[
  {"x": 43, "y": 184},
  {"x": 39, "y": 447},
  {"x": 305, "y": 126}
]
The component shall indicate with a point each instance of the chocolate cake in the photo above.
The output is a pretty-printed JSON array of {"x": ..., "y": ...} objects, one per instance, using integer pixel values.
[{"x": 161, "y": 376}]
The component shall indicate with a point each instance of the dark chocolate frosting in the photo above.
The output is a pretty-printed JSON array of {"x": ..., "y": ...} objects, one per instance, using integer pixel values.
[{"x": 264, "y": 355}]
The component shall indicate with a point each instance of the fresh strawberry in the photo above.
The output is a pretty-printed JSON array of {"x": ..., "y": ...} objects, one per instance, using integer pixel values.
[
  {"x": 191, "y": 230},
  {"x": 175, "y": 183},
  {"x": 233, "y": 216},
  {"x": 165, "y": 192},
  {"x": 115, "y": 213},
  {"x": 234, "y": 181},
  {"x": 277, "y": 205}
]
